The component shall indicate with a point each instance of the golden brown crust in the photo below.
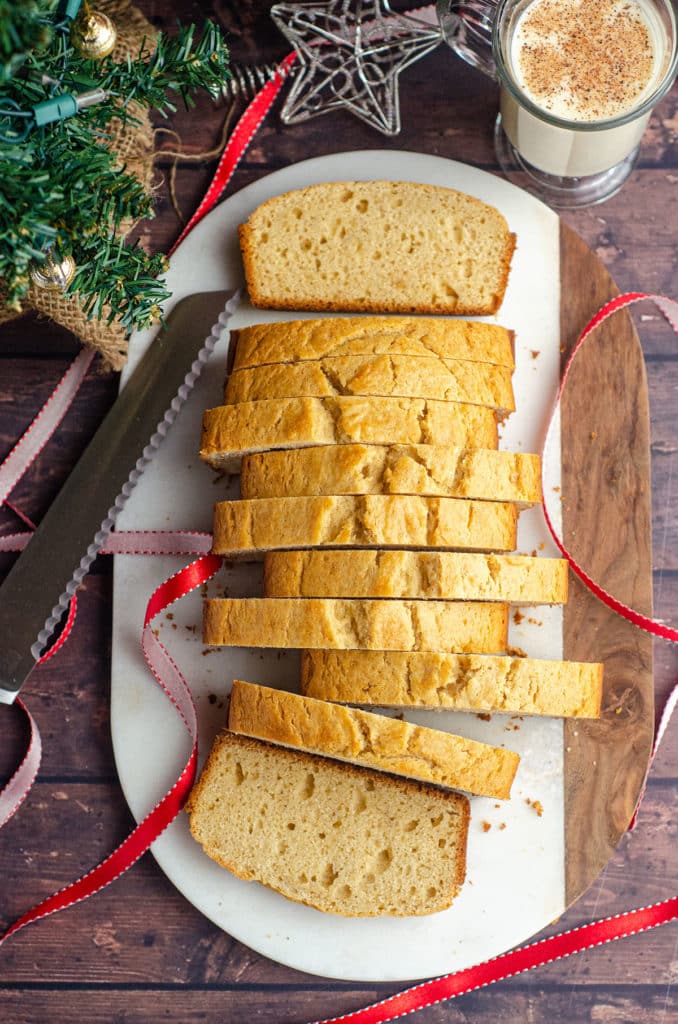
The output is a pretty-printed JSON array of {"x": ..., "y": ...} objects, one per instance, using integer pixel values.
[
  {"x": 384, "y": 375},
  {"x": 251, "y": 527},
  {"x": 440, "y": 575},
  {"x": 511, "y": 243},
  {"x": 426, "y": 309},
  {"x": 427, "y": 470},
  {"x": 373, "y": 741},
  {"x": 298, "y": 341},
  {"x": 473, "y": 682},
  {"x": 244, "y": 238},
  {"x": 231, "y": 431},
  {"x": 459, "y": 626}
]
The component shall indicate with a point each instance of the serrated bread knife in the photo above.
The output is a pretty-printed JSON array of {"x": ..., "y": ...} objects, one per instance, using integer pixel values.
[{"x": 48, "y": 572}]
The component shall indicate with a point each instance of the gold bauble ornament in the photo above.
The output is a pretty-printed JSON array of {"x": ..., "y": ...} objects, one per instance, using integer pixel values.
[
  {"x": 55, "y": 273},
  {"x": 93, "y": 35}
]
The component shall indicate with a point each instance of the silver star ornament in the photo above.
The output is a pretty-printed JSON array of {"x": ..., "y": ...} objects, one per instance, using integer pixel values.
[{"x": 350, "y": 55}]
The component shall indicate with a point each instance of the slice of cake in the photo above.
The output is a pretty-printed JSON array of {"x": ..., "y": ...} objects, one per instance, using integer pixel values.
[
  {"x": 377, "y": 246},
  {"x": 342, "y": 839}
]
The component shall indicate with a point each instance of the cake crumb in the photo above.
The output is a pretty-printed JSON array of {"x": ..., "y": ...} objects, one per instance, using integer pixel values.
[
  {"x": 534, "y": 352},
  {"x": 518, "y": 617},
  {"x": 593, "y": 435},
  {"x": 486, "y": 826},
  {"x": 516, "y": 652},
  {"x": 542, "y": 546},
  {"x": 535, "y": 622},
  {"x": 483, "y": 716},
  {"x": 536, "y": 806},
  {"x": 502, "y": 826}
]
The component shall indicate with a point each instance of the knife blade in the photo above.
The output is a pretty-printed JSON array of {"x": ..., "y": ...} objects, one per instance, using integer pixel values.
[{"x": 46, "y": 575}]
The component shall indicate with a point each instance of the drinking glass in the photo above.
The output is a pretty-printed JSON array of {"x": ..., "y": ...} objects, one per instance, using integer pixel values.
[{"x": 567, "y": 163}]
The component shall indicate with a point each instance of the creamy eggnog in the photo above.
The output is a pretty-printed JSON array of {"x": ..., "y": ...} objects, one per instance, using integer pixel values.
[{"x": 588, "y": 63}]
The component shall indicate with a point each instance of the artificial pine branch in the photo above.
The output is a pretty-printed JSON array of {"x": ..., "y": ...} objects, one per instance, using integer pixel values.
[
  {"x": 24, "y": 26},
  {"x": 62, "y": 186}
]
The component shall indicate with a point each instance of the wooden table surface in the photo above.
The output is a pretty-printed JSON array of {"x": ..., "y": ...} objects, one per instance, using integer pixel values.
[{"x": 138, "y": 952}]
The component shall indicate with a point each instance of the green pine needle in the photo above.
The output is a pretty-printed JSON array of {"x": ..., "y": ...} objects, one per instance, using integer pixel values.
[
  {"x": 24, "y": 25},
  {"x": 62, "y": 187}
]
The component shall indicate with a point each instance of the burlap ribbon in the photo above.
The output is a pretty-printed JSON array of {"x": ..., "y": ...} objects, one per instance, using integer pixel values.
[{"x": 133, "y": 148}]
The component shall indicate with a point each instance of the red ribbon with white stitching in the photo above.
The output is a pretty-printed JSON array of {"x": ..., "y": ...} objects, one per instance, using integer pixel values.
[
  {"x": 31, "y": 443},
  {"x": 670, "y": 310},
  {"x": 170, "y": 678},
  {"x": 537, "y": 954},
  {"x": 242, "y": 135},
  {"x": 48, "y": 419},
  {"x": 173, "y": 683}
]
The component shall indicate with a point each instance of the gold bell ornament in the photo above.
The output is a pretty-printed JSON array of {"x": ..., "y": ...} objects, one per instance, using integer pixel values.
[
  {"x": 93, "y": 34},
  {"x": 56, "y": 273}
]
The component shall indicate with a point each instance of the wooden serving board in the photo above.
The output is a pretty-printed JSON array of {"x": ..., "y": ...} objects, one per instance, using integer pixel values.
[{"x": 606, "y": 488}]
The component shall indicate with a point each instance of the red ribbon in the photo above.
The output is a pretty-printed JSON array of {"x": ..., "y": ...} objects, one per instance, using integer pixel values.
[
  {"x": 21, "y": 782},
  {"x": 449, "y": 986},
  {"x": 242, "y": 135},
  {"x": 170, "y": 678},
  {"x": 670, "y": 311},
  {"x": 31, "y": 443},
  {"x": 154, "y": 824}
]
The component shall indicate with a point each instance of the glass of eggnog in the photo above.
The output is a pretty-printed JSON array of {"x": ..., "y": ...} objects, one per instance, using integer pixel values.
[{"x": 578, "y": 79}]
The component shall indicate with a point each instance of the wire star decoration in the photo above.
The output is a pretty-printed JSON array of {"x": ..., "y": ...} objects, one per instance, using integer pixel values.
[{"x": 350, "y": 55}]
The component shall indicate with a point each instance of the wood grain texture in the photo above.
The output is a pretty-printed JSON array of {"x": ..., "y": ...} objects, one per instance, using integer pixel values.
[
  {"x": 607, "y": 527},
  {"x": 239, "y": 1005},
  {"x": 141, "y": 928},
  {"x": 138, "y": 953}
]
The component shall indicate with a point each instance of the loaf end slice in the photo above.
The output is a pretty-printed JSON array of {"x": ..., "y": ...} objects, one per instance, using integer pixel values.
[
  {"x": 371, "y": 741},
  {"x": 342, "y": 839},
  {"x": 377, "y": 246}
]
